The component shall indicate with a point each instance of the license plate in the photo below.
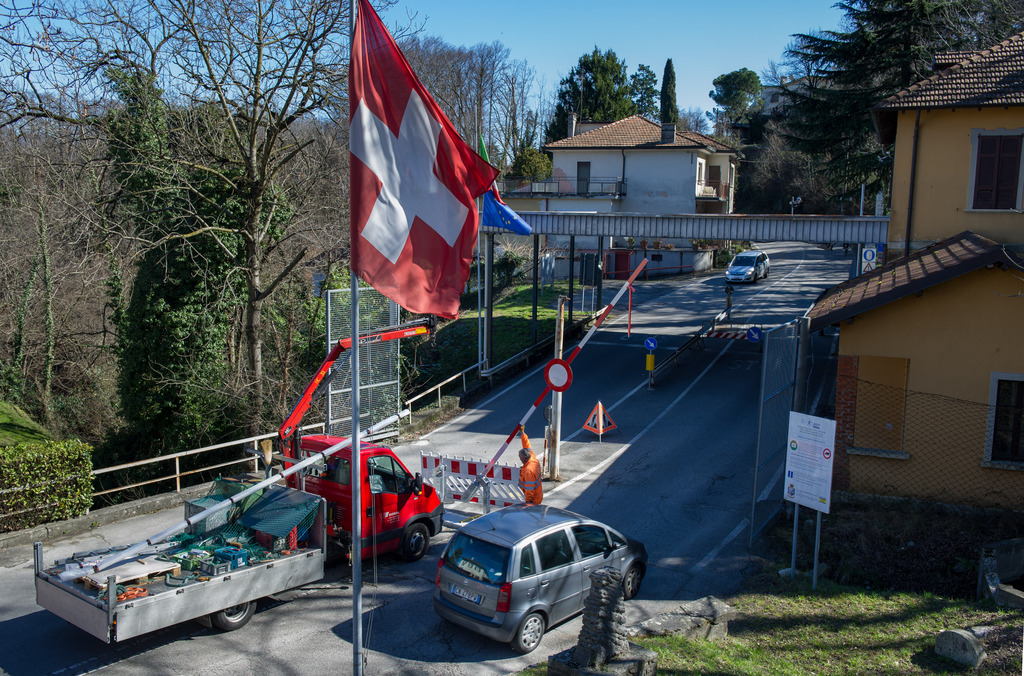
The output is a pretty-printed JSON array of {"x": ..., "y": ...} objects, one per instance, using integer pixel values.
[{"x": 462, "y": 593}]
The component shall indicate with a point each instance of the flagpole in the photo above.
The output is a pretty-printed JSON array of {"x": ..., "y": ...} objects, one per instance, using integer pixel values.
[{"x": 356, "y": 469}]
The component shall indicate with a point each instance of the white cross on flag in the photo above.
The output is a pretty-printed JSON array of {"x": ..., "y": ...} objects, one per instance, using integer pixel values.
[{"x": 413, "y": 179}]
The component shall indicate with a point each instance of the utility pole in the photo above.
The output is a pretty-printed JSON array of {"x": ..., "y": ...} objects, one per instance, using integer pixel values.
[{"x": 556, "y": 397}]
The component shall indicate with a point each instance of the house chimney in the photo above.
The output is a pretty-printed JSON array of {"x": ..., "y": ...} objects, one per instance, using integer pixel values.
[
  {"x": 572, "y": 124},
  {"x": 668, "y": 132}
]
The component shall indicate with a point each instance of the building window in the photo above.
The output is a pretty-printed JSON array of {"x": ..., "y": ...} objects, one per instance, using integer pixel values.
[
  {"x": 1006, "y": 418},
  {"x": 996, "y": 175}
]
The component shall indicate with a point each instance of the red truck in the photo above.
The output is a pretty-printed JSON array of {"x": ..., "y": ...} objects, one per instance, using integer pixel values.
[{"x": 400, "y": 512}]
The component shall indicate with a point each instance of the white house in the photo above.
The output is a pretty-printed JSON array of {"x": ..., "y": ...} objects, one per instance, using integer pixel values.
[{"x": 632, "y": 166}]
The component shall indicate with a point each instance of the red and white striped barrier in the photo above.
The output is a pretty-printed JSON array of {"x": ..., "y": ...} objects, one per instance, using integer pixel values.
[
  {"x": 453, "y": 476},
  {"x": 732, "y": 335}
]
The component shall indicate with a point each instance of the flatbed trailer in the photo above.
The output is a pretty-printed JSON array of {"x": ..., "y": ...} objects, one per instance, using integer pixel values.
[{"x": 225, "y": 599}]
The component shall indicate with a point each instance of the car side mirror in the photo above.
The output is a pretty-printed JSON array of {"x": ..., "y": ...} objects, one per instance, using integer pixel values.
[{"x": 417, "y": 484}]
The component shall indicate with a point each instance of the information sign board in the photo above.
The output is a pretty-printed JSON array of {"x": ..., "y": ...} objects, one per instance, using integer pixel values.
[{"x": 809, "y": 461}]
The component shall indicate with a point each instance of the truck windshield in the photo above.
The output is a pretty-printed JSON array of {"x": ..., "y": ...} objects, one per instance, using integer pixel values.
[{"x": 477, "y": 559}]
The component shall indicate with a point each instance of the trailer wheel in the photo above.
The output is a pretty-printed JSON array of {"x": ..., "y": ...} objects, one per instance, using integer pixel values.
[
  {"x": 234, "y": 617},
  {"x": 415, "y": 541}
]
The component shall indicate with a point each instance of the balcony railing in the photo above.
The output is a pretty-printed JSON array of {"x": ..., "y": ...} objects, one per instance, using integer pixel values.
[
  {"x": 566, "y": 186},
  {"x": 712, "y": 190}
]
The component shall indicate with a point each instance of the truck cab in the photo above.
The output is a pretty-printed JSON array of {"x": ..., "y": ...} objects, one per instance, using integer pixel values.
[{"x": 400, "y": 512}]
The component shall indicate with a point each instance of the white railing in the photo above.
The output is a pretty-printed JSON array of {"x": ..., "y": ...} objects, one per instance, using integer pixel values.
[{"x": 250, "y": 442}]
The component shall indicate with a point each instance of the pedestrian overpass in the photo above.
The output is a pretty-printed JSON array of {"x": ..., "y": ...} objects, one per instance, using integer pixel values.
[{"x": 815, "y": 229}]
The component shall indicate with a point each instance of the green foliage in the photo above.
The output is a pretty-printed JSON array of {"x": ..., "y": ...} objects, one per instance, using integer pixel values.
[
  {"x": 736, "y": 92},
  {"x": 43, "y": 482},
  {"x": 532, "y": 163},
  {"x": 644, "y": 84},
  {"x": 885, "y": 47},
  {"x": 597, "y": 88},
  {"x": 509, "y": 269},
  {"x": 669, "y": 109}
]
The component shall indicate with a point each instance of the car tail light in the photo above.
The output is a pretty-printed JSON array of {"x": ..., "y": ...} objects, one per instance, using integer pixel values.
[
  {"x": 437, "y": 579},
  {"x": 504, "y": 597}
]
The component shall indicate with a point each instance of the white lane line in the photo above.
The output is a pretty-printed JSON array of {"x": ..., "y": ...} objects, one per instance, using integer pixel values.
[
  {"x": 721, "y": 545},
  {"x": 601, "y": 465}
]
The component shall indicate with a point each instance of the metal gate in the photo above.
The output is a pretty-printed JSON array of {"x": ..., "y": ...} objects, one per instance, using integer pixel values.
[
  {"x": 379, "y": 390},
  {"x": 778, "y": 388}
]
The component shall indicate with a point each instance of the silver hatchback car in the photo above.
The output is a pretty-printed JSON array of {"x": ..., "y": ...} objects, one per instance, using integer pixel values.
[
  {"x": 511, "y": 574},
  {"x": 748, "y": 266}
]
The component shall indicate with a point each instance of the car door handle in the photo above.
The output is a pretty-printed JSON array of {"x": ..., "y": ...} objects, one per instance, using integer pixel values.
[
  {"x": 543, "y": 583},
  {"x": 586, "y": 568}
]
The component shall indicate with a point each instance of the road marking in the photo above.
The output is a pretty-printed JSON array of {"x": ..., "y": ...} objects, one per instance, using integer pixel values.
[
  {"x": 721, "y": 545},
  {"x": 645, "y": 430}
]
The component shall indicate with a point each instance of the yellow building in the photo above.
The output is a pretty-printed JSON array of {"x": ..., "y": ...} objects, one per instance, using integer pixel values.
[
  {"x": 957, "y": 149},
  {"x": 930, "y": 389}
]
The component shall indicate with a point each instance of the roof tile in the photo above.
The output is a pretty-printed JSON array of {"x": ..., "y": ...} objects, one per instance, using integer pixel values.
[
  {"x": 636, "y": 132},
  {"x": 909, "y": 275},
  {"x": 990, "y": 77}
]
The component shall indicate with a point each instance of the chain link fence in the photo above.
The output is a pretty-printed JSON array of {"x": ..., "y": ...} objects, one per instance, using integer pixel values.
[{"x": 897, "y": 442}]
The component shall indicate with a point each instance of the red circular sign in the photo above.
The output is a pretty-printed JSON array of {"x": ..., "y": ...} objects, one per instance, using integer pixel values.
[
  {"x": 827, "y": 453},
  {"x": 558, "y": 375}
]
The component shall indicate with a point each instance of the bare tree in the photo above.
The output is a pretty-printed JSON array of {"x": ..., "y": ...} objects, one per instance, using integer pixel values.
[{"x": 243, "y": 75}]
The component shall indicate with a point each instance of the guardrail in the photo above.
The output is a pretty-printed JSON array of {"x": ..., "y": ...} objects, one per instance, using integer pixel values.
[
  {"x": 178, "y": 474},
  {"x": 462, "y": 374},
  {"x": 697, "y": 339}
]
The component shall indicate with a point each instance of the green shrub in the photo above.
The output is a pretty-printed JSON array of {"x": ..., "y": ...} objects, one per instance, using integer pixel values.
[{"x": 43, "y": 482}]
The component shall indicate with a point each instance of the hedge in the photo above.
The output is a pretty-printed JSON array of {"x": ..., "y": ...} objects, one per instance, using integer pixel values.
[{"x": 43, "y": 482}]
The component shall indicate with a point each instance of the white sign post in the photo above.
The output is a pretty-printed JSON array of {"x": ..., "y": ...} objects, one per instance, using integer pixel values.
[{"x": 809, "y": 473}]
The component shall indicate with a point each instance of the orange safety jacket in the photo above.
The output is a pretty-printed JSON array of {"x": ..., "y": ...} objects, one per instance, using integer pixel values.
[{"x": 529, "y": 476}]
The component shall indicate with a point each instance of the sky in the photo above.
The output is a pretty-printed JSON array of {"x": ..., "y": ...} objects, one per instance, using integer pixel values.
[{"x": 704, "y": 40}]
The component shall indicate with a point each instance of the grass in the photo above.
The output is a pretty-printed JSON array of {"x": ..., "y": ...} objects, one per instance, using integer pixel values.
[
  {"x": 16, "y": 427},
  {"x": 786, "y": 628},
  {"x": 881, "y": 619}
]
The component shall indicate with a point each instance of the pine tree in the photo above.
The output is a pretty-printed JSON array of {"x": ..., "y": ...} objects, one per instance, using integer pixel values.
[
  {"x": 644, "y": 84},
  {"x": 887, "y": 46},
  {"x": 597, "y": 88},
  {"x": 669, "y": 109}
]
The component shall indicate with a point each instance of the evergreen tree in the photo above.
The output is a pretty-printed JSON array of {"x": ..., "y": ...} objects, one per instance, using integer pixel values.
[
  {"x": 644, "y": 84},
  {"x": 669, "y": 109},
  {"x": 173, "y": 331},
  {"x": 886, "y": 46},
  {"x": 736, "y": 92},
  {"x": 532, "y": 163},
  {"x": 597, "y": 88}
]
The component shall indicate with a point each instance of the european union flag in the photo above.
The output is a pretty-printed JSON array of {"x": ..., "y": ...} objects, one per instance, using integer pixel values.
[{"x": 497, "y": 214}]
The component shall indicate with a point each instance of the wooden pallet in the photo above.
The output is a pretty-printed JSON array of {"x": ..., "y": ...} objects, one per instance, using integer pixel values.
[{"x": 133, "y": 572}]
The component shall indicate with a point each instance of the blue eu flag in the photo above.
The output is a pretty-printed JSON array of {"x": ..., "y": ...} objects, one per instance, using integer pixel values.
[{"x": 497, "y": 214}]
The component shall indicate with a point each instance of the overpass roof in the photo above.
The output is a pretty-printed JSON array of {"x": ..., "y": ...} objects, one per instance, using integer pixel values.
[{"x": 746, "y": 227}]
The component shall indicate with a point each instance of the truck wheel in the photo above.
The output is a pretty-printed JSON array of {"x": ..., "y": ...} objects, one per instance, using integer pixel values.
[
  {"x": 529, "y": 634},
  {"x": 415, "y": 541},
  {"x": 234, "y": 617}
]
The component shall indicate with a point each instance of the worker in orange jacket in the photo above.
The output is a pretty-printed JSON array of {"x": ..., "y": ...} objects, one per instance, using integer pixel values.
[{"x": 529, "y": 475}]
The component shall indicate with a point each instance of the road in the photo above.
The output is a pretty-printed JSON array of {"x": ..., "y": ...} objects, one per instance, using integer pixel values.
[{"x": 676, "y": 473}]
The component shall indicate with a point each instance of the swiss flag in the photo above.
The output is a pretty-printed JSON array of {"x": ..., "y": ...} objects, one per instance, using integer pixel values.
[{"x": 413, "y": 179}]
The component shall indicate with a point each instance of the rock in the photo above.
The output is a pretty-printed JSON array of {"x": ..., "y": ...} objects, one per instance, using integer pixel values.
[
  {"x": 706, "y": 618},
  {"x": 960, "y": 646}
]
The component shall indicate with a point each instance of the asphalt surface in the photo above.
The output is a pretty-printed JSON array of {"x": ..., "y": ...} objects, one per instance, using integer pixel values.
[{"x": 676, "y": 474}]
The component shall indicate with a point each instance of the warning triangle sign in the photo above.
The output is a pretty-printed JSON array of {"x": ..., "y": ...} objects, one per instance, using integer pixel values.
[{"x": 599, "y": 420}]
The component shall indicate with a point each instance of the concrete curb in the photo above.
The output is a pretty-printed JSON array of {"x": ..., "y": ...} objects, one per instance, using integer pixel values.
[{"x": 100, "y": 517}]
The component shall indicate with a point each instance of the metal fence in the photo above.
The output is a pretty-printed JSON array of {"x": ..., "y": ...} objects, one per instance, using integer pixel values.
[
  {"x": 892, "y": 441},
  {"x": 778, "y": 386},
  {"x": 379, "y": 388}
]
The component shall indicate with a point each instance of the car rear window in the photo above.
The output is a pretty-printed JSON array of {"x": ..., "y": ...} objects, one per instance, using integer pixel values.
[
  {"x": 743, "y": 260},
  {"x": 478, "y": 559}
]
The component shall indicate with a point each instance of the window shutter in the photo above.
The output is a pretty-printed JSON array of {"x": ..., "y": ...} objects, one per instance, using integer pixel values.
[
  {"x": 985, "y": 174},
  {"x": 997, "y": 172},
  {"x": 1007, "y": 172}
]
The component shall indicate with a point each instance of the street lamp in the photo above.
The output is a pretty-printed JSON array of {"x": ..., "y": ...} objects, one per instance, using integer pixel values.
[{"x": 794, "y": 203}]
